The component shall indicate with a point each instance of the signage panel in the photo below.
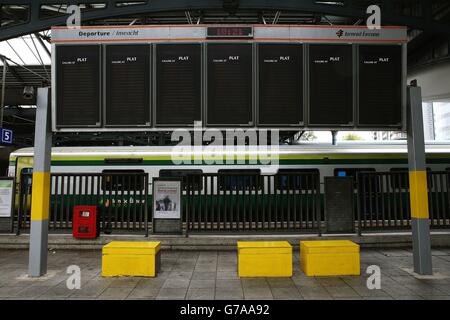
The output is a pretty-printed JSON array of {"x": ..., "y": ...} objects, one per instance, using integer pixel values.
[
  {"x": 234, "y": 76},
  {"x": 331, "y": 85},
  {"x": 127, "y": 85},
  {"x": 229, "y": 84},
  {"x": 166, "y": 199},
  {"x": 178, "y": 84},
  {"x": 313, "y": 33},
  {"x": 6, "y": 136},
  {"x": 380, "y": 85},
  {"x": 78, "y": 90},
  {"x": 6, "y": 196},
  {"x": 280, "y": 84}
]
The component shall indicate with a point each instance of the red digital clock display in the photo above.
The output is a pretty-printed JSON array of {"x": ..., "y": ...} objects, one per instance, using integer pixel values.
[{"x": 230, "y": 32}]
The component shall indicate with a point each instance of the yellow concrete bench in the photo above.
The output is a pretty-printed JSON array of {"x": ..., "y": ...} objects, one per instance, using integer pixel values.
[
  {"x": 264, "y": 259},
  {"x": 329, "y": 258},
  {"x": 121, "y": 258}
]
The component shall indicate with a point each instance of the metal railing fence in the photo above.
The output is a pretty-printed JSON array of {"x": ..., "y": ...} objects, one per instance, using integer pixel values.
[{"x": 383, "y": 200}]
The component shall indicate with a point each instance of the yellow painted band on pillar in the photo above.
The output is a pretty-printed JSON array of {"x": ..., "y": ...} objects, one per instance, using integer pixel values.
[
  {"x": 418, "y": 194},
  {"x": 40, "y": 200}
]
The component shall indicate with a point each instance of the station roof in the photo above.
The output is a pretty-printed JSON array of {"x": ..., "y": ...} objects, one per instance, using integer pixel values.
[
  {"x": 25, "y": 30},
  {"x": 24, "y": 24},
  {"x": 31, "y": 75}
]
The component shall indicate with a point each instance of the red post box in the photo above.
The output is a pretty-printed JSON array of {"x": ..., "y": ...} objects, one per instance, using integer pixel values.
[{"x": 84, "y": 223}]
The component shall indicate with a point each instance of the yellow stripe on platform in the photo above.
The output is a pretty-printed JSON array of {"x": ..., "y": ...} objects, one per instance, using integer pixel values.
[
  {"x": 40, "y": 201},
  {"x": 418, "y": 194}
]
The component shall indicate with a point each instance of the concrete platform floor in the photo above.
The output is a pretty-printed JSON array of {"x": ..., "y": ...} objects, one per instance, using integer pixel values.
[{"x": 213, "y": 275}]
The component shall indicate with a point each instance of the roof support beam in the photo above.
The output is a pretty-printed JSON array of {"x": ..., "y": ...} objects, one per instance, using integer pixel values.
[
  {"x": 42, "y": 43},
  {"x": 15, "y": 74}
]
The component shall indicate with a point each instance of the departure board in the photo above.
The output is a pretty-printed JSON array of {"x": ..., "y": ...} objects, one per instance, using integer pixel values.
[
  {"x": 280, "y": 84},
  {"x": 331, "y": 85},
  {"x": 380, "y": 85},
  {"x": 178, "y": 84},
  {"x": 229, "y": 84},
  {"x": 127, "y": 85},
  {"x": 78, "y": 86}
]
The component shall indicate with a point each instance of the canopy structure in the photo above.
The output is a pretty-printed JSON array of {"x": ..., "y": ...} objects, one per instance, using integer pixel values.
[{"x": 25, "y": 34}]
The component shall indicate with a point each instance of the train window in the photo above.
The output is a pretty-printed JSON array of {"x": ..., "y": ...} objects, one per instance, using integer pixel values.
[
  {"x": 400, "y": 178},
  {"x": 239, "y": 179},
  {"x": 341, "y": 173},
  {"x": 123, "y": 180},
  {"x": 297, "y": 179},
  {"x": 191, "y": 178},
  {"x": 123, "y": 160},
  {"x": 26, "y": 171},
  {"x": 26, "y": 179},
  {"x": 398, "y": 170},
  {"x": 353, "y": 172}
]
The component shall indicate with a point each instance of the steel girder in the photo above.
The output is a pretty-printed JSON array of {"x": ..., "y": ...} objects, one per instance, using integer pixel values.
[{"x": 346, "y": 8}]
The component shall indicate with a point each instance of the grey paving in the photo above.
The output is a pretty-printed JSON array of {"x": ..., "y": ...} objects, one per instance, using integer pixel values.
[
  {"x": 286, "y": 293},
  {"x": 200, "y": 293},
  {"x": 209, "y": 275},
  {"x": 229, "y": 294}
]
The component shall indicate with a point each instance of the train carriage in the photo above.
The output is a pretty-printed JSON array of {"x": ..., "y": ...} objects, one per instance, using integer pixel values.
[{"x": 284, "y": 192}]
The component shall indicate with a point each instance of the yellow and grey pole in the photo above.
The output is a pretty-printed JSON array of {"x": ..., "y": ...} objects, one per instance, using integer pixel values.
[
  {"x": 40, "y": 200},
  {"x": 418, "y": 189}
]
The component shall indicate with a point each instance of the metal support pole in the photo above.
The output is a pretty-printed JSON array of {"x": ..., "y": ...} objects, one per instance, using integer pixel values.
[
  {"x": 2, "y": 104},
  {"x": 334, "y": 137},
  {"x": 418, "y": 184},
  {"x": 40, "y": 202}
]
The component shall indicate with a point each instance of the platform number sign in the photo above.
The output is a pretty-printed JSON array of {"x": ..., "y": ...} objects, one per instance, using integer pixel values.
[{"x": 6, "y": 136}]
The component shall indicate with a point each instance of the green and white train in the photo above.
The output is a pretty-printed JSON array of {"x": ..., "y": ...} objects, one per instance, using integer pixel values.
[
  {"x": 157, "y": 161},
  {"x": 229, "y": 199},
  {"x": 343, "y": 159}
]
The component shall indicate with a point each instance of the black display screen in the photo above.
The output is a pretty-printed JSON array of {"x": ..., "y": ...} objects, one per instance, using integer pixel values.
[
  {"x": 229, "y": 84},
  {"x": 178, "y": 84},
  {"x": 380, "y": 85},
  {"x": 331, "y": 85},
  {"x": 78, "y": 87},
  {"x": 128, "y": 85},
  {"x": 229, "y": 32},
  {"x": 280, "y": 84}
]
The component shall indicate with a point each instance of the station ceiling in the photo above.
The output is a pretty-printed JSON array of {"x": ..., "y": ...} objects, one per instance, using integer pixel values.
[
  {"x": 19, "y": 17},
  {"x": 428, "y": 23}
]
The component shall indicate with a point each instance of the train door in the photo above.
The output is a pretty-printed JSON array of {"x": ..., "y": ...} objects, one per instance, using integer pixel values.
[
  {"x": 23, "y": 175},
  {"x": 24, "y": 169}
]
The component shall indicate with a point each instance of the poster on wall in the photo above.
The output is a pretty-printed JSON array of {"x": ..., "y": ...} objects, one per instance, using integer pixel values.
[
  {"x": 167, "y": 199},
  {"x": 6, "y": 196}
]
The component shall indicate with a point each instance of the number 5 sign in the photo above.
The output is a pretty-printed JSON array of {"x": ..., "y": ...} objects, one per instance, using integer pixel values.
[{"x": 6, "y": 136}]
